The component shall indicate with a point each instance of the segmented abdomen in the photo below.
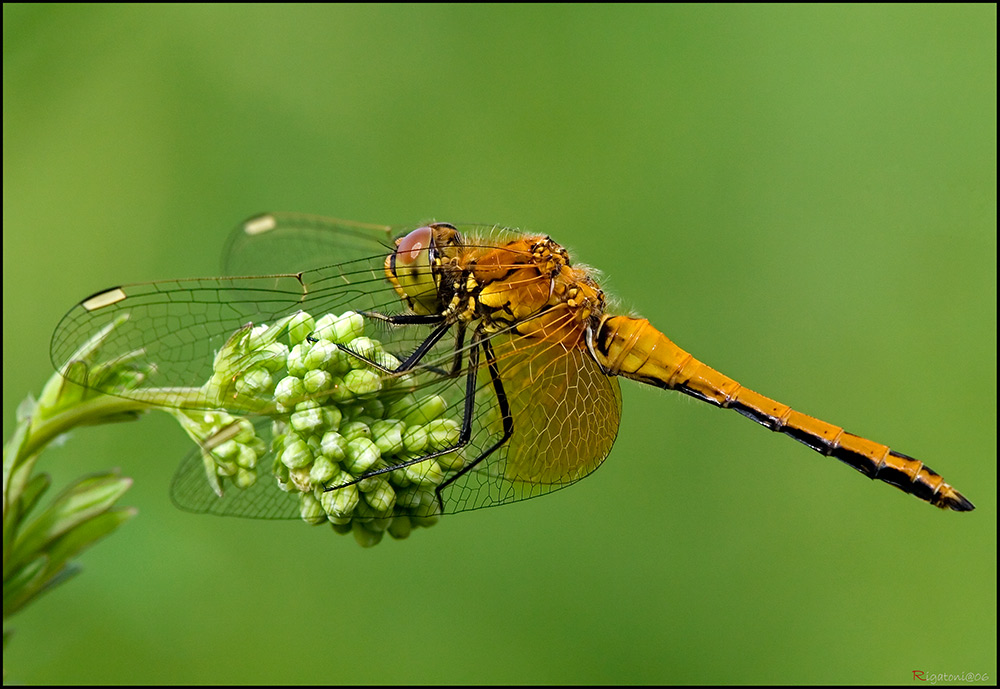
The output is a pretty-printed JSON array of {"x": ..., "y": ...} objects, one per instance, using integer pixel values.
[{"x": 633, "y": 348}]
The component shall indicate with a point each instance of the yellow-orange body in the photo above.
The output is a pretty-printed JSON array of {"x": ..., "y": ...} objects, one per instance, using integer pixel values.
[
  {"x": 526, "y": 287},
  {"x": 498, "y": 326}
]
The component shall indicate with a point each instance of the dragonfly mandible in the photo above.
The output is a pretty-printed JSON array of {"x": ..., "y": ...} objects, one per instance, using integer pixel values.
[{"x": 498, "y": 326}]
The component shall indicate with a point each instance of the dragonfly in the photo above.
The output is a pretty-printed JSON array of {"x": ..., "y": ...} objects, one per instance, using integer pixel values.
[{"x": 502, "y": 325}]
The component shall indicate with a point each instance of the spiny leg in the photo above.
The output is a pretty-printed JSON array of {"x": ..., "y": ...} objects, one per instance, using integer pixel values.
[
  {"x": 506, "y": 418},
  {"x": 464, "y": 435},
  {"x": 414, "y": 358},
  {"x": 420, "y": 352}
]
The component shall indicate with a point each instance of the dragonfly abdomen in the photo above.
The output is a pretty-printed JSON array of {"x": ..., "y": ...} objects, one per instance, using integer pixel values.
[{"x": 633, "y": 348}]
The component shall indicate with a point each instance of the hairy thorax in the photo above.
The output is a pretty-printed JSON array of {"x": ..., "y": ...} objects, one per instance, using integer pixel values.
[{"x": 529, "y": 285}]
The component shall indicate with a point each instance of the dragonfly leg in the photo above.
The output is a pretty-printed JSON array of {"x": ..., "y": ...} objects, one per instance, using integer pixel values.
[
  {"x": 456, "y": 363},
  {"x": 404, "y": 318},
  {"x": 466, "y": 433},
  {"x": 425, "y": 346},
  {"x": 506, "y": 418},
  {"x": 414, "y": 358}
]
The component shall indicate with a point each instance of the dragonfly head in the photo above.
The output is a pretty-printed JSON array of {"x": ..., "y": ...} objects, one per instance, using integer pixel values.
[{"x": 411, "y": 267}]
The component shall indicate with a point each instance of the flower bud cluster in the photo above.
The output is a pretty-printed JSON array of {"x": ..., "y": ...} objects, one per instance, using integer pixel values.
[
  {"x": 337, "y": 421},
  {"x": 230, "y": 447}
]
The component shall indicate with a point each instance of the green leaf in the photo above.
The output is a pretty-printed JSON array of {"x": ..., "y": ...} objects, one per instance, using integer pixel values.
[
  {"x": 26, "y": 409},
  {"x": 84, "y": 499},
  {"x": 84, "y": 535},
  {"x": 16, "y": 597},
  {"x": 34, "y": 490},
  {"x": 20, "y": 585},
  {"x": 16, "y": 470},
  {"x": 11, "y": 454}
]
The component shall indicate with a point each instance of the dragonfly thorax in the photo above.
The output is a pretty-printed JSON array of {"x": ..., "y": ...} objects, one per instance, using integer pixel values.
[
  {"x": 530, "y": 286},
  {"x": 524, "y": 284}
]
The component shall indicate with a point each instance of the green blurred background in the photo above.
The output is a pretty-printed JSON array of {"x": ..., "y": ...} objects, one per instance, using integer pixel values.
[{"x": 804, "y": 197}]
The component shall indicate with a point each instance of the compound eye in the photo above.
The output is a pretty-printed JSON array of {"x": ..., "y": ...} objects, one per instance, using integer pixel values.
[
  {"x": 411, "y": 272},
  {"x": 411, "y": 247}
]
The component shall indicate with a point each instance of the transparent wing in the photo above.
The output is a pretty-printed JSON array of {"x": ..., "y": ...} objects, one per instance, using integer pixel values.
[
  {"x": 170, "y": 331},
  {"x": 293, "y": 242},
  {"x": 564, "y": 412},
  {"x": 561, "y": 409},
  {"x": 192, "y": 492}
]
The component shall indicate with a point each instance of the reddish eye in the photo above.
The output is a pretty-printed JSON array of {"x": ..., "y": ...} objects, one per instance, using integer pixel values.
[{"x": 410, "y": 247}]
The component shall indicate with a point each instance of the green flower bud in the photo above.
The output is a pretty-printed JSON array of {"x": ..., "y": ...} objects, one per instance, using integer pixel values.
[
  {"x": 308, "y": 421},
  {"x": 341, "y": 521},
  {"x": 373, "y": 407},
  {"x": 296, "y": 454},
  {"x": 443, "y": 433},
  {"x": 338, "y": 392},
  {"x": 341, "y": 329},
  {"x": 427, "y": 409},
  {"x": 400, "y": 527},
  {"x": 364, "y": 349},
  {"x": 258, "y": 446},
  {"x": 316, "y": 380},
  {"x": 300, "y": 479},
  {"x": 299, "y": 327},
  {"x": 365, "y": 537},
  {"x": 388, "y": 361},
  {"x": 365, "y": 515},
  {"x": 331, "y": 417},
  {"x": 415, "y": 497},
  {"x": 334, "y": 446},
  {"x": 310, "y": 509},
  {"x": 244, "y": 478},
  {"x": 352, "y": 411},
  {"x": 314, "y": 442},
  {"x": 279, "y": 470},
  {"x": 340, "y": 502},
  {"x": 362, "y": 454},
  {"x": 226, "y": 450},
  {"x": 355, "y": 429},
  {"x": 388, "y": 435},
  {"x": 246, "y": 457},
  {"x": 323, "y": 323},
  {"x": 398, "y": 478},
  {"x": 400, "y": 407},
  {"x": 272, "y": 358},
  {"x": 296, "y": 361},
  {"x": 425, "y": 473},
  {"x": 321, "y": 355},
  {"x": 415, "y": 439},
  {"x": 256, "y": 382},
  {"x": 322, "y": 471},
  {"x": 428, "y": 507},
  {"x": 382, "y": 499},
  {"x": 366, "y": 420},
  {"x": 246, "y": 433},
  {"x": 362, "y": 381},
  {"x": 369, "y": 484},
  {"x": 289, "y": 391},
  {"x": 339, "y": 362}
]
